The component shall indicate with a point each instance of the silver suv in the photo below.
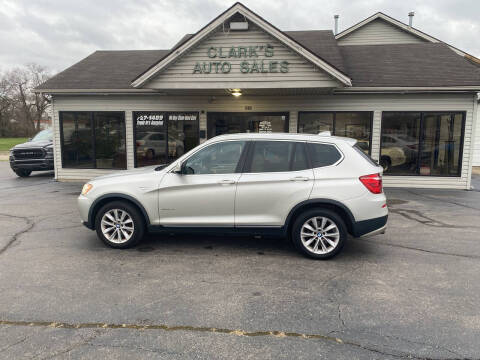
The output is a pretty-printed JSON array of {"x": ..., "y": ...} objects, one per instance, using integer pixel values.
[{"x": 314, "y": 189}]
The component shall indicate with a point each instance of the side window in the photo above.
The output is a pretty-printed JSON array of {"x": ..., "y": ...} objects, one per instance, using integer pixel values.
[
  {"x": 220, "y": 158},
  {"x": 323, "y": 154},
  {"x": 277, "y": 156}
]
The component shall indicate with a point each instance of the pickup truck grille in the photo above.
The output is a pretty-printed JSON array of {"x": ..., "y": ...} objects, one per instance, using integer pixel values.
[{"x": 29, "y": 154}]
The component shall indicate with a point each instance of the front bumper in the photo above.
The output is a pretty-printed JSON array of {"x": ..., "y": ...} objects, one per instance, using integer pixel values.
[
  {"x": 84, "y": 204},
  {"x": 31, "y": 164}
]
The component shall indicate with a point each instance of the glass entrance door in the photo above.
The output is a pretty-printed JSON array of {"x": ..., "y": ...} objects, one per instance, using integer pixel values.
[{"x": 219, "y": 123}]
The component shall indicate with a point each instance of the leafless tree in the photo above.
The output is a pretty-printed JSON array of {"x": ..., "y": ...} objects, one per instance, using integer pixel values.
[
  {"x": 29, "y": 107},
  {"x": 5, "y": 106}
]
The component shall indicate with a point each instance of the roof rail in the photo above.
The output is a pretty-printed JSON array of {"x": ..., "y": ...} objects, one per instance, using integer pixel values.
[{"x": 325, "y": 133}]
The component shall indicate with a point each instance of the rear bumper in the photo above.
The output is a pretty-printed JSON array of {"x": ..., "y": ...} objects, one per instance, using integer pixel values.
[
  {"x": 370, "y": 227},
  {"x": 31, "y": 164}
]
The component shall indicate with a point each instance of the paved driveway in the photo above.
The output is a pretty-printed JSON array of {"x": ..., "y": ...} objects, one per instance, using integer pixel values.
[{"x": 413, "y": 292}]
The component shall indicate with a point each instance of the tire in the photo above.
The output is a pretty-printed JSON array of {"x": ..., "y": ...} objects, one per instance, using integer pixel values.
[
  {"x": 23, "y": 172},
  {"x": 118, "y": 236},
  {"x": 327, "y": 245},
  {"x": 385, "y": 162}
]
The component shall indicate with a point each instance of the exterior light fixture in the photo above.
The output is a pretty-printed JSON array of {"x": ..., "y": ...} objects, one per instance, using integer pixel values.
[{"x": 236, "y": 92}]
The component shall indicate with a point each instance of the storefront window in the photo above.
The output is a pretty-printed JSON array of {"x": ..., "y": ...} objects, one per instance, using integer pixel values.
[
  {"x": 93, "y": 140},
  {"x": 109, "y": 140},
  {"x": 415, "y": 143},
  {"x": 161, "y": 137},
  {"x": 356, "y": 125},
  {"x": 399, "y": 143},
  {"x": 182, "y": 134},
  {"x": 231, "y": 123}
]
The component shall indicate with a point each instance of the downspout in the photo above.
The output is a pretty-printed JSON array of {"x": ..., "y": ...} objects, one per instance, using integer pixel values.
[{"x": 476, "y": 99}]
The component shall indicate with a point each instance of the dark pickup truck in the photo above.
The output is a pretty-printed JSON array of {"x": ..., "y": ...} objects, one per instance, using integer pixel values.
[{"x": 34, "y": 155}]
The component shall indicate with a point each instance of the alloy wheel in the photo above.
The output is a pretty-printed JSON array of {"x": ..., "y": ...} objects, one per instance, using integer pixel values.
[
  {"x": 320, "y": 235},
  {"x": 117, "y": 226}
]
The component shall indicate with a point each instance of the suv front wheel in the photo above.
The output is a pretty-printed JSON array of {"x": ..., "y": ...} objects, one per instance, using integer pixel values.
[
  {"x": 319, "y": 233},
  {"x": 119, "y": 225},
  {"x": 23, "y": 172}
]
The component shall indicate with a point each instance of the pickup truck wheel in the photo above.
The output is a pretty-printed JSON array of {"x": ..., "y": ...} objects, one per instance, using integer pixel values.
[
  {"x": 319, "y": 233},
  {"x": 119, "y": 225},
  {"x": 23, "y": 172}
]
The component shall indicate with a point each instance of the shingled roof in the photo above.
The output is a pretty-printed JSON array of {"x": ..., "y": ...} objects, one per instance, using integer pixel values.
[
  {"x": 390, "y": 65},
  {"x": 105, "y": 70},
  {"x": 411, "y": 65},
  {"x": 322, "y": 43}
]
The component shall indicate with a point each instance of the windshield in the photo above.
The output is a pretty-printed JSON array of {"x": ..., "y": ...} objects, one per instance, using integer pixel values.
[{"x": 43, "y": 135}]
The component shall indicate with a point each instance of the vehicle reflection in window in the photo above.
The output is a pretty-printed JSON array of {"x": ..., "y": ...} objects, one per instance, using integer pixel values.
[
  {"x": 355, "y": 124},
  {"x": 421, "y": 143},
  {"x": 219, "y": 158}
]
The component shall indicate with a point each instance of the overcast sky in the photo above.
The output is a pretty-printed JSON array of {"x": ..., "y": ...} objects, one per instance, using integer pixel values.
[{"x": 58, "y": 33}]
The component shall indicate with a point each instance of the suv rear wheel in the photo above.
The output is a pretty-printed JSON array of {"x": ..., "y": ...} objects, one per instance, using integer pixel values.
[
  {"x": 319, "y": 233},
  {"x": 119, "y": 225}
]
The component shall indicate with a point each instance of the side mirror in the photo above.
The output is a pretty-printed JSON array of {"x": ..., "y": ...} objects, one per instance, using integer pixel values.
[{"x": 178, "y": 168}]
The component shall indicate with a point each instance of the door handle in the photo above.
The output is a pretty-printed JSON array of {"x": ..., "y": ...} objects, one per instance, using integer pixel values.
[
  {"x": 300, "y": 178},
  {"x": 226, "y": 182}
]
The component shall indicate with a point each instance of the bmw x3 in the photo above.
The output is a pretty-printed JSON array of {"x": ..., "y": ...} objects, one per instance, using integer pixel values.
[{"x": 314, "y": 189}]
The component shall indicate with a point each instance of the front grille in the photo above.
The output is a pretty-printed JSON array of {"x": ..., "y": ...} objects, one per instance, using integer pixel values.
[{"x": 29, "y": 154}]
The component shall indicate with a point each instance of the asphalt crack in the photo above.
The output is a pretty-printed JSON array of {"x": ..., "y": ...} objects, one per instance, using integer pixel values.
[
  {"x": 13, "y": 344},
  {"x": 340, "y": 318},
  {"x": 164, "y": 327},
  {"x": 84, "y": 341},
  {"x": 422, "y": 250},
  {"x": 14, "y": 238},
  {"x": 425, "y": 220},
  {"x": 442, "y": 200}
]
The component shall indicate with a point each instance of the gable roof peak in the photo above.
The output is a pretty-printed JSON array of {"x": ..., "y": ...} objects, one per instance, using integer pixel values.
[
  {"x": 404, "y": 27},
  {"x": 200, "y": 35}
]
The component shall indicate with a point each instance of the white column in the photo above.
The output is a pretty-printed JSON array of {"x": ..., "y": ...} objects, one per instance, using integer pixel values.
[
  {"x": 202, "y": 124},
  {"x": 376, "y": 134},
  {"x": 293, "y": 121},
  {"x": 129, "y": 140}
]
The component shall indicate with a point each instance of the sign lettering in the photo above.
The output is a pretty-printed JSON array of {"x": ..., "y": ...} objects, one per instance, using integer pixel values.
[{"x": 220, "y": 63}]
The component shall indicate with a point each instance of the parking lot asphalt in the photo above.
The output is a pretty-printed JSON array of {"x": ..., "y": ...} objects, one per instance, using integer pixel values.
[{"x": 410, "y": 293}]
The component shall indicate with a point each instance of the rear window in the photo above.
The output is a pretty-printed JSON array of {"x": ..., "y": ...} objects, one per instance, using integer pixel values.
[
  {"x": 277, "y": 156},
  {"x": 364, "y": 155},
  {"x": 323, "y": 154}
]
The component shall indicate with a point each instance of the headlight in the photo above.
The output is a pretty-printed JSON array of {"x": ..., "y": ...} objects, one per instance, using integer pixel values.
[{"x": 86, "y": 188}]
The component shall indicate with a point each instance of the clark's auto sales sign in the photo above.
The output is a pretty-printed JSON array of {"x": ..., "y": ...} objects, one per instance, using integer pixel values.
[{"x": 221, "y": 57}]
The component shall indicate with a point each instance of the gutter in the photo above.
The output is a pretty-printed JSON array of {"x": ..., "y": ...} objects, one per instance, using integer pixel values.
[
  {"x": 97, "y": 91},
  {"x": 407, "y": 89},
  {"x": 345, "y": 90}
]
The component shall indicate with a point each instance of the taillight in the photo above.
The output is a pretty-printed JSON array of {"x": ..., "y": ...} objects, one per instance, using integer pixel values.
[{"x": 372, "y": 182}]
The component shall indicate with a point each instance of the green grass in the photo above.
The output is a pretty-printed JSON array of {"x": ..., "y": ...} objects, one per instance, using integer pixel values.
[{"x": 7, "y": 143}]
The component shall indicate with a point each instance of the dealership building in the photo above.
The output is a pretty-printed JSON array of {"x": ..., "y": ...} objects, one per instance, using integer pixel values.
[{"x": 409, "y": 99}]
